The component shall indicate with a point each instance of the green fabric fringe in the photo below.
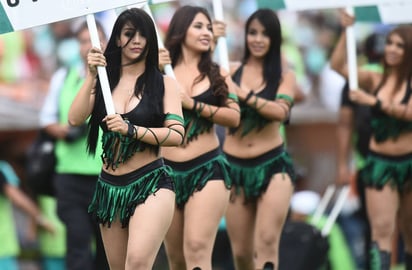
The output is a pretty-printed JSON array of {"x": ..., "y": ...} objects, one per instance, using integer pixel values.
[
  {"x": 379, "y": 259},
  {"x": 378, "y": 172},
  {"x": 255, "y": 180},
  {"x": 195, "y": 125},
  {"x": 375, "y": 258},
  {"x": 250, "y": 120},
  {"x": 111, "y": 202},
  {"x": 187, "y": 182},
  {"x": 386, "y": 127},
  {"x": 118, "y": 148}
]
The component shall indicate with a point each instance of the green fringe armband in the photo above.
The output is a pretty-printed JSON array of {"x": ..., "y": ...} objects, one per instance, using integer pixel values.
[
  {"x": 285, "y": 97},
  {"x": 233, "y": 96},
  {"x": 172, "y": 116}
]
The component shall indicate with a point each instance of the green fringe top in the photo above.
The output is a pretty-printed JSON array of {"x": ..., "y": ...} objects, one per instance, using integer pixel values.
[
  {"x": 111, "y": 201},
  {"x": 118, "y": 148},
  {"x": 189, "y": 181},
  {"x": 385, "y": 127},
  {"x": 251, "y": 119},
  {"x": 195, "y": 125},
  {"x": 255, "y": 180},
  {"x": 379, "y": 171}
]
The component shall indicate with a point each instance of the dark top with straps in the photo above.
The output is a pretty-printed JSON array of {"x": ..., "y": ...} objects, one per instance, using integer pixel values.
[
  {"x": 118, "y": 148},
  {"x": 385, "y": 126},
  {"x": 250, "y": 119},
  {"x": 194, "y": 123}
]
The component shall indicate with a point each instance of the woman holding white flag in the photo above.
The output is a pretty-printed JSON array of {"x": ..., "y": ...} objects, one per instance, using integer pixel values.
[
  {"x": 134, "y": 196},
  {"x": 199, "y": 168},
  {"x": 388, "y": 170}
]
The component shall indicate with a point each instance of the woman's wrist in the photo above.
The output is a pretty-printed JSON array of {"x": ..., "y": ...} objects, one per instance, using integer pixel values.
[
  {"x": 249, "y": 95},
  {"x": 40, "y": 220},
  {"x": 377, "y": 105}
]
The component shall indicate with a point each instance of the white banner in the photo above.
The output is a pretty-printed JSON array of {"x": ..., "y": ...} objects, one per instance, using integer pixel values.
[
  {"x": 21, "y": 14},
  {"x": 313, "y": 4}
]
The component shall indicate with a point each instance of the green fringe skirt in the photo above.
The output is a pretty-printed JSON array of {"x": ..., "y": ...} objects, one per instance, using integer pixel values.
[
  {"x": 116, "y": 197},
  {"x": 381, "y": 169},
  {"x": 254, "y": 174},
  {"x": 191, "y": 176}
]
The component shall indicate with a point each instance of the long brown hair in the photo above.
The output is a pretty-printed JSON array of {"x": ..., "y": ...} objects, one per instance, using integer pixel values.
[
  {"x": 404, "y": 70},
  {"x": 175, "y": 37}
]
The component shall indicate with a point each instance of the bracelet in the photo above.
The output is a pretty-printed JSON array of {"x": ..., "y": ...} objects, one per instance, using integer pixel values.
[
  {"x": 194, "y": 105},
  {"x": 377, "y": 105},
  {"x": 130, "y": 129},
  {"x": 248, "y": 96}
]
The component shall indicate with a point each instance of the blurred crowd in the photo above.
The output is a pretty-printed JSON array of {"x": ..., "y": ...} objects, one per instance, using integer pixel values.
[{"x": 29, "y": 57}]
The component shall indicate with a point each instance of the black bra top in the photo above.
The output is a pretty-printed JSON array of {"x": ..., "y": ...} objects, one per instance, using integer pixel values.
[
  {"x": 209, "y": 98},
  {"x": 269, "y": 92},
  {"x": 249, "y": 117},
  {"x": 141, "y": 115}
]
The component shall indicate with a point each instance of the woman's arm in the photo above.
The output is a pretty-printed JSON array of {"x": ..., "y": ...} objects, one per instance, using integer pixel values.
[
  {"x": 23, "y": 202},
  {"x": 82, "y": 105},
  {"x": 279, "y": 109},
  {"x": 228, "y": 115},
  {"x": 339, "y": 56}
]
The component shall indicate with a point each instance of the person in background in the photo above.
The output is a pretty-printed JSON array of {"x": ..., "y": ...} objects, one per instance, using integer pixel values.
[
  {"x": 134, "y": 195},
  {"x": 302, "y": 207},
  {"x": 353, "y": 133},
  {"x": 76, "y": 172},
  {"x": 198, "y": 166},
  {"x": 262, "y": 171},
  {"x": 11, "y": 194},
  {"x": 387, "y": 173}
]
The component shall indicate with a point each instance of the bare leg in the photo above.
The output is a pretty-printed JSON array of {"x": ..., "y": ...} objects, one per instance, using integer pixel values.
[
  {"x": 174, "y": 242},
  {"x": 147, "y": 229},
  {"x": 240, "y": 224},
  {"x": 405, "y": 219},
  {"x": 202, "y": 216},
  {"x": 115, "y": 245},
  {"x": 382, "y": 206},
  {"x": 272, "y": 209}
]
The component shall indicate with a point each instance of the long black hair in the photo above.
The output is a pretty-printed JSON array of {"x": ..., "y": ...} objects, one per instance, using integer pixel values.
[
  {"x": 272, "y": 64},
  {"x": 175, "y": 37},
  {"x": 147, "y": 84}
]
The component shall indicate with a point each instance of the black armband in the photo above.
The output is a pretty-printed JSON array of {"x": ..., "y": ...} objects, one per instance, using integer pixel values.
[
  {"x": 377, "y": 105},
  {"x": 251, "y": 93},
  {"x": 130, "y": 129}
]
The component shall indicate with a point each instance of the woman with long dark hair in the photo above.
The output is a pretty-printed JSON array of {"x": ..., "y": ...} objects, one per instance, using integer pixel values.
[
  {"x": 134, "y": 196},
  {"x": 199, "y": 168},
  {"x": 261, "y": 169}
]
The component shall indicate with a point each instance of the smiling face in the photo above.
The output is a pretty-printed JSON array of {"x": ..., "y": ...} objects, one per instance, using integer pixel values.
[
  {"x": 394, "y": 50},
  {"x": 132, "y": 43},
  {"x": 199, "y": 35},
  {"x": 258, "y": 41}
]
